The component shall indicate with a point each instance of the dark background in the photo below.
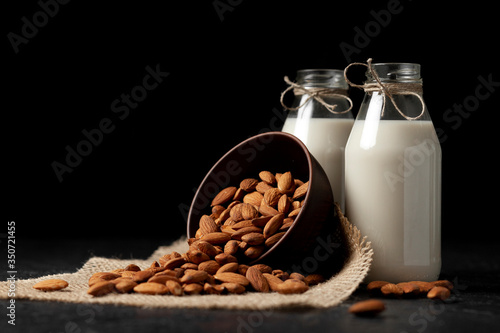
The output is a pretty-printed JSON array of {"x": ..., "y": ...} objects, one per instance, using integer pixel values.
[{"x": 225, "y": 79}]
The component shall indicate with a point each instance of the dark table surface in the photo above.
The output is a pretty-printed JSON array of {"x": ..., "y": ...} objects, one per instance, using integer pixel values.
[{"x": 474, "y": 305}]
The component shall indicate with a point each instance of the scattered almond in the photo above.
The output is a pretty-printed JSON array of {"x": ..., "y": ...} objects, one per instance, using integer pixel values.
[{"x": 369, "y": 307}]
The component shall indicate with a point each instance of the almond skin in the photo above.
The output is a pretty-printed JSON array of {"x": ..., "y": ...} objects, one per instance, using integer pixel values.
[
  {"x": 267, "y": 177},
  {"x": 369, "y": 307},
  {"x": 257, "y": 280},
  {"x": 207, "y": 225},
  {"x": 248, "y": 184},
  {"x": 101, "y": 288},
  {"x": 224, "y": 196},
  {"x": 232, "y": 277},
  {"x": 51, "y": 285},
  {"x": 253, "y": 238},
  {"x": 253, "y": 199},
  {"x": 216, "y": 238},
  {"x": 286, "y": 184},
  {"x": 292, "y": 286},
  {"x": 273, "y": 225},
  {"x": 391, "y": 289},
  {"x": 151, "y": 288},
  {"x": 441, "y": 293},
  {"x": 273, "y": 281}
]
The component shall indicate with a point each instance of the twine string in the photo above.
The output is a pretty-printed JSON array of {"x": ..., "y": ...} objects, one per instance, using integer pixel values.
[
  {"x": 388, "y": 89},
  {"x": 317, "y": 94}
]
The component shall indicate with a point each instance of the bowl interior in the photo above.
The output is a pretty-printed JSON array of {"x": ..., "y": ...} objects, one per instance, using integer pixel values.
[{"x": 272, "y": 151}]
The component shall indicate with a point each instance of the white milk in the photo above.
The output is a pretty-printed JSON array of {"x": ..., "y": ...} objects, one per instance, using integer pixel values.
[
  {"x": 325, "y": 138},
  {"x": 393, "y": 195}
]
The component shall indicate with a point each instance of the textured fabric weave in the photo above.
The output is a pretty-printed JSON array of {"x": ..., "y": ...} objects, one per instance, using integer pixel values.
[{"x": 328, "y": 294}]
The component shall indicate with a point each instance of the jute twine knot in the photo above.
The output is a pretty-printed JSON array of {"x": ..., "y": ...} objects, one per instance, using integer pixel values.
[
  {"x": 317, "y": 94},
  {"x": 388, "y": 89}
]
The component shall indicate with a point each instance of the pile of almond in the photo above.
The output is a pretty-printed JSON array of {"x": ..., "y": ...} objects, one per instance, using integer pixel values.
[
  {"x": 244, "y": 222},
  {"x": 251, "y": 218}
]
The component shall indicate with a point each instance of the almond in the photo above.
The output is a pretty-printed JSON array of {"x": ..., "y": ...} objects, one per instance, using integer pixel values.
[
  {"x": 230, "y": 267},
  {"x": 443, "y": 283},
  {"x": 286, "y": 184},
  {"x": 242, "y": 224},
  {"x": 261, "y": 221},
  {"x": 283, "y": 204},
  {"x": 409, "y": 288},
  {"x": 132, "y": 267},
  {"x": 125, "y": 286},
  {"x": 207, "y": 225},
  {"x": 263, "y": 268},
  {"x": 163, "y": 278},
  {"x": 272, "y": 196},
  {"x": 274, "y": 239},
  {"x": 232, "y": 277},
  {"x": 196, "y": 256},
  {"x": 257, "y": 280},
  {"x": 143, "y": 275},
  {"x": 441, "y": 293},
  {"x": 253, "y": 252},
  {"x": 216, "y": 238},
  {"x": 151, "y": 288},
  {"x": 174, "y": 287},
  {"x": 314, "y": 279},
  {"x": 369, "y": 307},
  {"x": 374, "y": 287},
  {"x": 267, "y": 210},
  {"x": 209, "y": 266},
  {"x": 273, "y": 281},
  {"x": 192, "y": 289},
  {"x": 243, "y": 231},
  {"x": 224, "y": 258},
  {"x": 262, "y": 187},
  {"x": 101, "y": 288},
  {"x": 300, "y": 191},
  {"x": 194, "y": 277},
  {"x": 236, "y": 213},
  {"x": 292, "y": 286},
  {"x": 249, "y": 184},
  {"x": 233, "y": 288},
  {"x": 273, "y": 225},
  {"x": 231, "y": 247},
  {"x": 174, "y": 263},
  {"x": 391, "y": 289},
  {"x": 102, "y": 276},
  {"x": 253, "y": 199},
  {"x": 253, "y": 238},
  {"x": 423, "y": 285},
  {"x": 224, "y": 196},
  {"x": 248, "y": 211},
  {"x": 213, "y": 289},
  {"x": 267, "y": 177},
  {"x": 206, "y": 248},
  {"x": 51, "y": 285}
]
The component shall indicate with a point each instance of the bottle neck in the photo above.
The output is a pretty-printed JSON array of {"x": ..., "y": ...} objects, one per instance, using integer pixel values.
[{"x": 319, "y": 93}]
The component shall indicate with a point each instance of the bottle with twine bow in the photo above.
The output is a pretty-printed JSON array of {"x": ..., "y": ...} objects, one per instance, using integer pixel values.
[
  {"x": 321, "y": 117},
  {"x": 393, "y": 174}
]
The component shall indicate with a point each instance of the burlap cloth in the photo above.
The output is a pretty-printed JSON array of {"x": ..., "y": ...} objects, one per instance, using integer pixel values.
[{"x": 328, "y": 294}]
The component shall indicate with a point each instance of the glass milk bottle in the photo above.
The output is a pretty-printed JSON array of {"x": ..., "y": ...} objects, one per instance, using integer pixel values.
[
  {"x": 321, "y": 118},
  {"x": 393, "y": 175}
]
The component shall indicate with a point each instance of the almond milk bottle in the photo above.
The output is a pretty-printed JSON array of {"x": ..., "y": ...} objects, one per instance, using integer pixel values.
[
  {"x": 393, "y": 175},
  {"x": 321, "y": 118}
]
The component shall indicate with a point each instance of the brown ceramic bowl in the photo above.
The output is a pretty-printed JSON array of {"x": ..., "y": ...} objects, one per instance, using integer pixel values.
[{"x": 275, "y": 152}]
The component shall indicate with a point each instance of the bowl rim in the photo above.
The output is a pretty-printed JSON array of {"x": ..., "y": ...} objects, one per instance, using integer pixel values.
[{"x": 222, "y": 159}]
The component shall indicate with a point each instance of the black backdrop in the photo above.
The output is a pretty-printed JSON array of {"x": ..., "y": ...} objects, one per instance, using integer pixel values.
[{"x": 72, "y": 67}]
